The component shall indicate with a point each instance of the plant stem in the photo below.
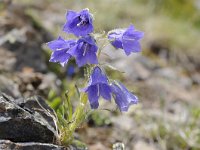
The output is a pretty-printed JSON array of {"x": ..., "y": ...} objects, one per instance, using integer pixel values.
[
  {"x": 79, "y": 113},
  {"x": 78, "y": 116}
]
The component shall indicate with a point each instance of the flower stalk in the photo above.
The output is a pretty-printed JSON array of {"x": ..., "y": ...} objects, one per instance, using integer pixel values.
[
  {"x": 78, "y": 118},
  {"x": 79, "y": 114}
]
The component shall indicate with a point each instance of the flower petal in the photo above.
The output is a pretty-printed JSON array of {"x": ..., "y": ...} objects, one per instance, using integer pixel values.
[
  {"x": 98, "y": 76},
  {"x": 97, "y": 86},
  {"x": 120, "y": 98},
  {"x": 130, "y": 97},
  {"x": 130, "y": 40},
  {"x": 115, "y": 38},
  {"x": 123, "y": 97},
  {"x": 91, "y": 56},
  {"x": 71, "y": 15},
  {"x": 127, "y": 39},
  {"x": 58, "y": 44},
  {"x": 81, "y": 61},
  {"x": 60, "y": 56},
  {"x": 138, "y": 35},
  {"x": 131, "y": 46},
  {"x": 133, "y": 34},
  {"x": 88, "y": 39},
  {"x": 73, "y": 51},
  {"x": 83, "y": 30},
  {"x": 93, "y": 96},
  {"x": 85, "y": 51},
  {"x": 80, "y": 24},
  {"x": 105, "y": 91}
]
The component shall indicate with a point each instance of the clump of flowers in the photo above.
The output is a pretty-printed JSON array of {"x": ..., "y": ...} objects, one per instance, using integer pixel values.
[{"x": 85, "y": 51}]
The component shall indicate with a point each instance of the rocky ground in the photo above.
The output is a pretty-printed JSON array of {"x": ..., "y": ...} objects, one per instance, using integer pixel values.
[{"x": 167, "y": 82}]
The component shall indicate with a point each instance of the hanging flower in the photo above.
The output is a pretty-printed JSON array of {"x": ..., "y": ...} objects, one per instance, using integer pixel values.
[
  {"x": 127, "y": 39},
  {"x": 122, "y": 96},
  {"x": 98, "y": 86},
  {"x": 60, "y": 49}
]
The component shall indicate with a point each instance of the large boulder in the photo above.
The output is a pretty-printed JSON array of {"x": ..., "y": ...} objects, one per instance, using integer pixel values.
[
  {"x": 8, "y": 145},
  {"x": 27, "y": 120}
]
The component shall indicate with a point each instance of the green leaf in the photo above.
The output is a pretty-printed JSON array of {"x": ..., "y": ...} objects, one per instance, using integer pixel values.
[
  {"x": 112, "y": 68},
  {"x": 55, "y": 103},
  {"x": 68, "y": 105}
]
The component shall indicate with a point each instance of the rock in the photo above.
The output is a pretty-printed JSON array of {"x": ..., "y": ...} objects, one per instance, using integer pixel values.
[
  {"x": 27, "y": 120},
  {"x": 147, "y": 62},
  {"x": 8, "y": 145},
  {"x": 135, "y": 67},
  {"x": 196, "y": 78},
  {"x": 16, "y": 41},
  {"x": 186, "y": 82},
  {"x": 138, "y": 72},
  {"x": 7, "y": 62},
  {"x": 9, "y": 86},
  {"x": 28, "y": 83},
  {"x": 49, "y": 81},
  {"x": 118, "y": 146},
  {"x": 97, "y": 146},
  {"x": 37, "y": 83},
  {"x": 141, "y": 145},
  {"x": 167, "y": 73},
  {"x": 177, "y": 112},
  {"x": 123, "y": 122},
  {"x": 157, "y": 89}
]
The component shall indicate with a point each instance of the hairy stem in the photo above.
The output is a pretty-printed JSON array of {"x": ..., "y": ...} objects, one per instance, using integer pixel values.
[{"x": 78, "y": 116}]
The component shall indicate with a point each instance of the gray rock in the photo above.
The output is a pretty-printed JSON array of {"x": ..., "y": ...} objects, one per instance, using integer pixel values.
[
  {"x": 7, "y": 85},
  {"x": 135, "y": 67},
  {"x": 16, "y": 41},
  {"x": 186, "y": 82},
  {"x": 7, "y": 62},
  {"x": 28, "y": 83},
  {"x": 8, "y": 145},
  {"x": 27, "y": 120},
  {"x": 196, "y": 78},
  {"x": 124, "y": 122},
  {"x": 142, "y": 145},
  {"x": 167, "y": 73}
]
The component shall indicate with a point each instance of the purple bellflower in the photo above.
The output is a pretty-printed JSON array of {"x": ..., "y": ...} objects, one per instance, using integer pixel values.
[
  {"x": 79, "y": 23},
  {"x": 98, "y": 86},
  {"x": 60, "y": 49},
  {"x": 85, "y": 51},
  {"x": 122, "y": 96},
  {"x": 127, "y": 39}
]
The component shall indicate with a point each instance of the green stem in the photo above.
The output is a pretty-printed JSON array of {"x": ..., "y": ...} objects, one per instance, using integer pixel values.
[
  {"x": 78, "y": 116},
  {"x": 79, "y": 113}
]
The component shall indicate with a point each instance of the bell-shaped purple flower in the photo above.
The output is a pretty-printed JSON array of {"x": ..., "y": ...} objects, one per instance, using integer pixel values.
[
  {"x": 85, "y": 51},
  {"x": 122, "y": 96},
  {"x": 60, "y": 49},
  {"x": 127, "y": 39},
  {"x": 79, "y": 23},
  {"x": 98, "y": 86}
]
